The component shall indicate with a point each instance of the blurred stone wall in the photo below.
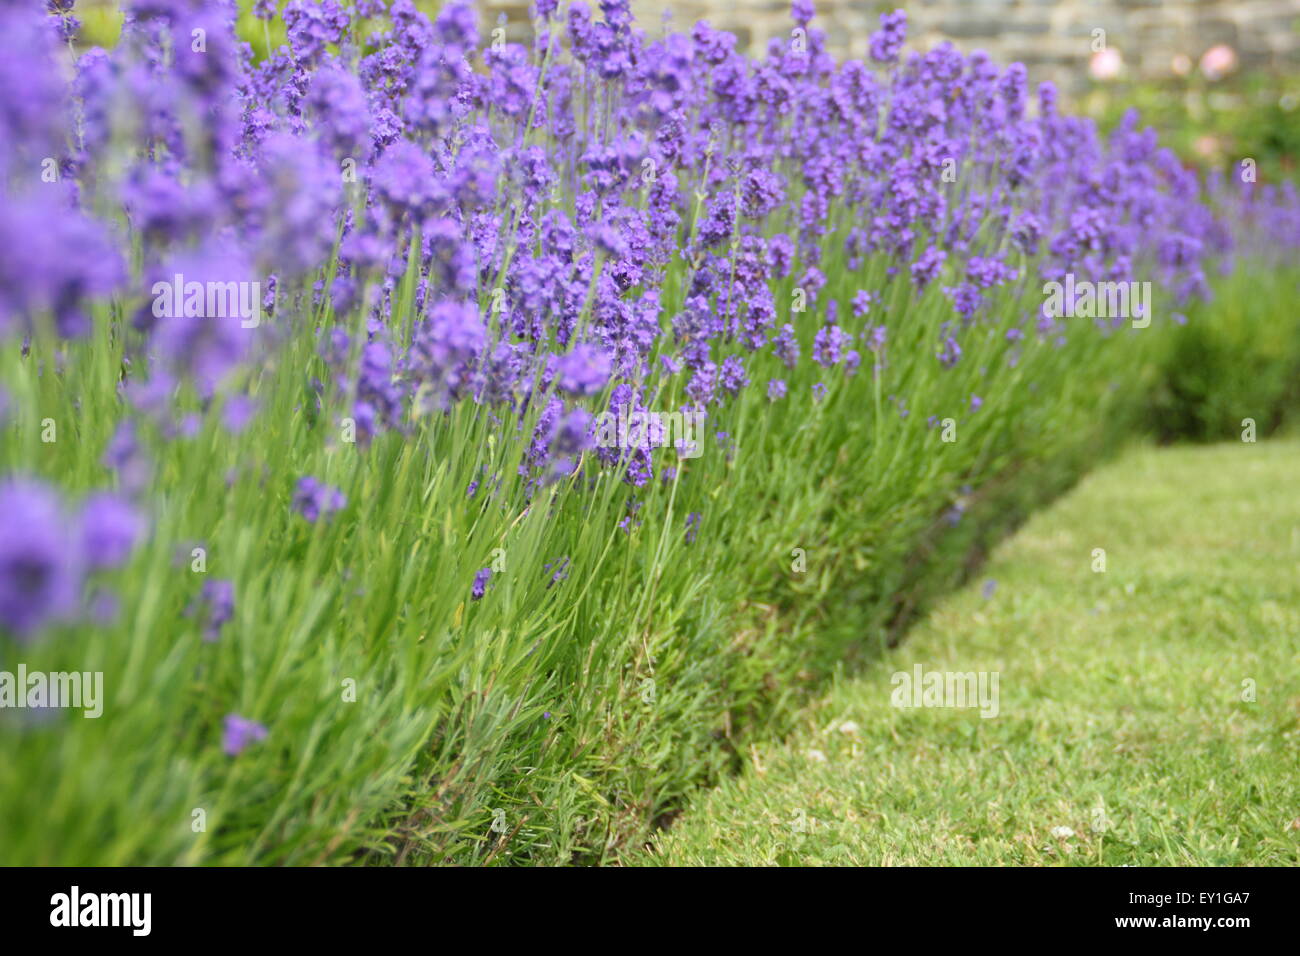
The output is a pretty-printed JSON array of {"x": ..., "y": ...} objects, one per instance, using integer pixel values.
[{"x": 1053, "y": 38}]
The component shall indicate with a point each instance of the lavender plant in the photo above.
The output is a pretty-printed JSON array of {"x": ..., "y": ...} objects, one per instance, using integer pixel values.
[{"x": 336, "y": 351}]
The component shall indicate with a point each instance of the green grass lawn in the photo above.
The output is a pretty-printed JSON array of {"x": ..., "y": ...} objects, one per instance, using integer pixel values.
[{"x": 1147, "y": 715}]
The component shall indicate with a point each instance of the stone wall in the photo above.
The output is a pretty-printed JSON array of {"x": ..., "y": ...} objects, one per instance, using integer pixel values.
[{"x": 1053, "y": 38}]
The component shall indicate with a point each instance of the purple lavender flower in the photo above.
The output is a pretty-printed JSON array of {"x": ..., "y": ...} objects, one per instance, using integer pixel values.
[
  {"x": 862, "y": 302},
  {"x": 560, "y": 573},
  {"x": 950, "y": 353},
  {"x": 451, "y": 256},
  {"x": 69, "y": 26},
  {"x": 55, "y": 259},
  {"x": 444, "y": 349},
  {"x": 787, "y": 346},
  {"x": 405, "y": 178},
  {"x": 927, "y": 267},
  {"x": 126, "y": 456},
  {"x": 703, "y": 384},
  {"x": 237, "y": 413},
  {"x": 103, "y": 608},
  {"x": 35, "y": 112},
  {"x": 762, "y": 192},
  {"x": 732, "y": 377},
  {"x": 888, "y": 40},
  {"x": 238, "y": 732},
  {"x": 312, "y": 27},
  {"x": 313, "y": 499},
  {"x": 207, "y": 306},
  {"x": 780, "y": 255},
  {"x": 986, "y": 273},
  {"x": 215, "y": 605},
  {"x": 573, "y": 433},
  {"x": 110, "y": 528},
  {"x": 457, "y": 26},
  {"x": 339, "y": 104},
  {"x": 163, "y": 210},
  {"x": 584, "y": 371},
  {"x": 481, "y": 579},
  {"x": 40, "y": 560},
  {"x": 299, "y": 222},
  {"x": 828, "y": 345}
]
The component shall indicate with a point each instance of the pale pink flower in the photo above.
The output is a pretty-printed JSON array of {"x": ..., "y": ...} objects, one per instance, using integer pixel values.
[
  {"x": 1106, "y": 64},
  {"x": 1218, "y": 61}
]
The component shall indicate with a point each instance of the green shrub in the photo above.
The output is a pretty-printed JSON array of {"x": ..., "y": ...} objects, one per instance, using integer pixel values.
[{"x": 1237, "y": 358}]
